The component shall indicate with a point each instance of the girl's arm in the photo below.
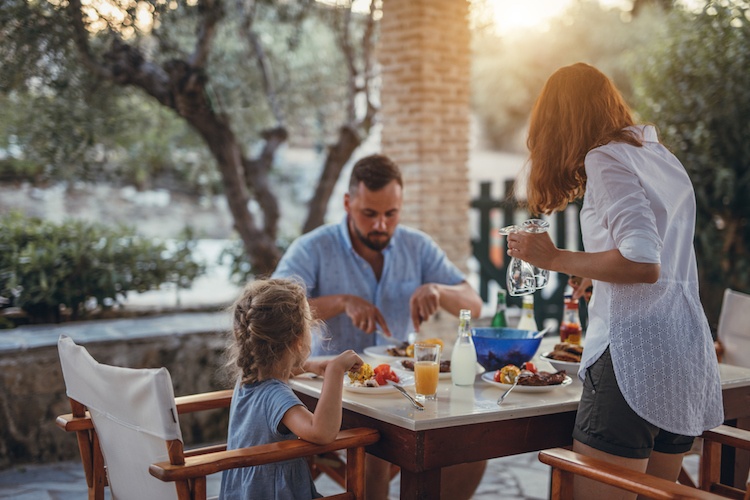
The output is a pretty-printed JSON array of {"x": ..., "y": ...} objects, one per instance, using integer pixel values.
[{"x": 322, "y": 426}]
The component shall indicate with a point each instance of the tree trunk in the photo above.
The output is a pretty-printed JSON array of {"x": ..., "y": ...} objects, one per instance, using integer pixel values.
[
  {"x": 181, "y": 85},
  {"x": 338, "y": 155},
  {"x": 260, "y": 245}
]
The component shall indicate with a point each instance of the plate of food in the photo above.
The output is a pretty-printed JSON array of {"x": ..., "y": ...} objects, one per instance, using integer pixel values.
[
  {"x": 369, "y": 380},
  {"x": 397, "y": 351},
  {"x": 541, "y": 381},
  {"x": 564, "y": 357},
  {"x": 445, "y": 367},
  {"x": 387, "y": 352}
]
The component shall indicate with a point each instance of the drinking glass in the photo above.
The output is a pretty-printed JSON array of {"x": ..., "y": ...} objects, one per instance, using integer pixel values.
[
  {"x": 523, "y": 278},
  {"x": 541, "y": 276},
  {"x": 426, "y": 371}
]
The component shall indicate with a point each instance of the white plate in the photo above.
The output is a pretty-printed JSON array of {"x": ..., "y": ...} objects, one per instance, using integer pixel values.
[
  {"x": 443, "y": 375},
  {"x": 379, "y": 352},
  {"x": 405, "y": 379},
  {"x": 490, "y": 379},
  {"x": 570, "y": 367}
]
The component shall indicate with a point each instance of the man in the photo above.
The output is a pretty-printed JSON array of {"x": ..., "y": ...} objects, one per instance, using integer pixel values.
[{"x": 369, "y": 274}]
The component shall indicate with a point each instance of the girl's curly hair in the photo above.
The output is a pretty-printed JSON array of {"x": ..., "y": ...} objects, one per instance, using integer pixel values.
[{"x": 270, "y": 331}]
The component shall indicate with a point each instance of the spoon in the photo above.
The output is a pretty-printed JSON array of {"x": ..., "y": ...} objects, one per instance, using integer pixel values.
[
  {"x": 419, "y": 406},
  {"x": 502, "y": 397},
  {"x": 541, "y": 333}
]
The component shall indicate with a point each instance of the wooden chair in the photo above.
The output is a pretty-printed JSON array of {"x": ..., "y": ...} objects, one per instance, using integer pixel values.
[
  {"x": 129, "y": 436},
  {"x": 566, "y": 464},
  {"x": 733, "y": 331},
  {"x": 710, "y": 464}
]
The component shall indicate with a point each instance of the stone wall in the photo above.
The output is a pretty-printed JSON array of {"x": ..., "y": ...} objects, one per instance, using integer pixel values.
[{"x": 32, "y": 391}]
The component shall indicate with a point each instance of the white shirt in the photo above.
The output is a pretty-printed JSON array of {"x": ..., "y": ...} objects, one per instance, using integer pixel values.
[{"x": 641, "y": 201}]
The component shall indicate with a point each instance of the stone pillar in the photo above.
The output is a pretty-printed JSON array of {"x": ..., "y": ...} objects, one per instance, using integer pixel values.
[{"x": 424, "y": 53}]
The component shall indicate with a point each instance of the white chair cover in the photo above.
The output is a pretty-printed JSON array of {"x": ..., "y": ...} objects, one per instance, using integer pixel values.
[
  {"x": 734, "y": 328},
  {"x": 133, "y": 411}
]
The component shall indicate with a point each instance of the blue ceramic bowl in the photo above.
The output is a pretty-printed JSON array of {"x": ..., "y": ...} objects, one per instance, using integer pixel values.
[{"x": 497, "y": 347}]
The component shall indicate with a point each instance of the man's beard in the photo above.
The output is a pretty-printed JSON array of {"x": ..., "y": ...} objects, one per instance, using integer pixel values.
[{"x": 373, "y": 245}]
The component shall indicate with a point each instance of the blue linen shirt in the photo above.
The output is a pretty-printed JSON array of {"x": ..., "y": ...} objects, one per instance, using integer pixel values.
[
  {"x": 326, "y": 262},
  {"x": 254, "y": 418}
]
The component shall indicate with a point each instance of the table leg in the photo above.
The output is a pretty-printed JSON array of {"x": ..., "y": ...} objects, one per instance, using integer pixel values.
[{"x": 423, "y": 485}]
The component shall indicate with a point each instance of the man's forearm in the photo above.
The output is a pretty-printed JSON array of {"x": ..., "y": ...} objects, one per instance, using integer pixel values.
[{"x": 328, "y": 306}]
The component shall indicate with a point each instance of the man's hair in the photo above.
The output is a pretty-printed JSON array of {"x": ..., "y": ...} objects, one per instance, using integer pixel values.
[{"x": 376, "y": 172}]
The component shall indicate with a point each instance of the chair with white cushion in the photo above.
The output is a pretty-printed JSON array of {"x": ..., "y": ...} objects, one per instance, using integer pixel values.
[
  {"x": 733, "y": 332},
  {"x": 129, "y": 437}
]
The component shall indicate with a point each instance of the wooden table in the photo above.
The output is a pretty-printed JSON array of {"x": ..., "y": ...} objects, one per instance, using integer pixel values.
[{"x": 466, "y": 425}]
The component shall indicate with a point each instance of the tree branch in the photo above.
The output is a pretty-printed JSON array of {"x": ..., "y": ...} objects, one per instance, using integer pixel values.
[
  {"x": 81, "y": 39},
  {"x": 249, "y": 9},
  {"x": 211, "y": 13},
  {"x": 343, "y": 35},
  {"x": 368, "y": 43}
]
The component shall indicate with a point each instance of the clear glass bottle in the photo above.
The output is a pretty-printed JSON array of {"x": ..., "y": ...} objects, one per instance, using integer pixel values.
[
  {"x": 499, "y": 320},
  {"x": 527, "y": 321},
  {"x": 464, "y": 356},
  {"x": 571, "y": 330}
]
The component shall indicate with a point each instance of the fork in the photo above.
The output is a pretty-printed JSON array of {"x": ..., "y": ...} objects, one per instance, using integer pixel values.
[{"x": 502, "y": 396}]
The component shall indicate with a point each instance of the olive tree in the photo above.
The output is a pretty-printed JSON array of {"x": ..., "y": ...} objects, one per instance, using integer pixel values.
[
  {"x": 216, "y": 65},
  {"x": 695, "y": 85}
]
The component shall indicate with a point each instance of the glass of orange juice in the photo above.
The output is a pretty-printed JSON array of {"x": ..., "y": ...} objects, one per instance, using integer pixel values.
[{"x": 426, "y": 371}]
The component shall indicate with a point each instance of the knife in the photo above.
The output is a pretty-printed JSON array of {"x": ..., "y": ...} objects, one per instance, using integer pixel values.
[{"x": 419, "y": 406}]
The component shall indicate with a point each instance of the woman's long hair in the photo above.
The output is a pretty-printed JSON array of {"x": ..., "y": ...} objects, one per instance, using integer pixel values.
[{"x": 578, "y": 110}]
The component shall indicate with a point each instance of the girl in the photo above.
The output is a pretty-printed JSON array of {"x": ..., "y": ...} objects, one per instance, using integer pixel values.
[
  {"x": 651, "y": 379},
  {"x": 270, "y": 343}
]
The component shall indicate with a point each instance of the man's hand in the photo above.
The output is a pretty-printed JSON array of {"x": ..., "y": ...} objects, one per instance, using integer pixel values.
[
  {"x": 424, "y": 302},
  {"x": 365, "y": 315},
  {"x": 582, "y": 287}
]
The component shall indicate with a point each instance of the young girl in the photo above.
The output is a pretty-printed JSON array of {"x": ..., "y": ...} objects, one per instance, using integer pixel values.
[{"x": 270, "y": 343}]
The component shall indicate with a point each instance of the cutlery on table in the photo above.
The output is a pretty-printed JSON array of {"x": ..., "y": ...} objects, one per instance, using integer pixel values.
[
  {"x": 541, "y": 333},
  {"x": 419, "y": 406},
  {"x": 502, "y": 396}
]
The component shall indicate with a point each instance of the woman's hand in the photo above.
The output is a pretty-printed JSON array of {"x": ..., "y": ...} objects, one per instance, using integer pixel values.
[{"x": 535, "y": 248}]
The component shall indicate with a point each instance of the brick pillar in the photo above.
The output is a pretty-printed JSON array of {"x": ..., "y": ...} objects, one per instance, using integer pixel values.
[{"x": 424, "y": 52}]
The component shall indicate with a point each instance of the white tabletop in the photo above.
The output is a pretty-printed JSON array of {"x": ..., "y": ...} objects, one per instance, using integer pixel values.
[{"x": 476, "y": 404}]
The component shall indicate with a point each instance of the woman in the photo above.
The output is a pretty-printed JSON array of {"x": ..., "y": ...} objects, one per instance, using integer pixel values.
[{"x": 651, "y": 379}]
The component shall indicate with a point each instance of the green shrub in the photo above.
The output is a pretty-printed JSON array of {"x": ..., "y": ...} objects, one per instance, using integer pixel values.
[
  {"x": 51, "y": 271},
  {"x": 695, "y": 85}
]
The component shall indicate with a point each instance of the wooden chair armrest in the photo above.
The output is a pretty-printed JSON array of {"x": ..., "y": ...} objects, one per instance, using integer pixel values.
[
  {"x": 205, "y": 449},
  {"x": 730, "y": 436},
  {"x": 210, "y": 463},
  {"x": 571, "y": 463},
  {"x": 203, "y": 401},
  {"x": 185, "y": 404},
  {"x": 69, "y": 423}
]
